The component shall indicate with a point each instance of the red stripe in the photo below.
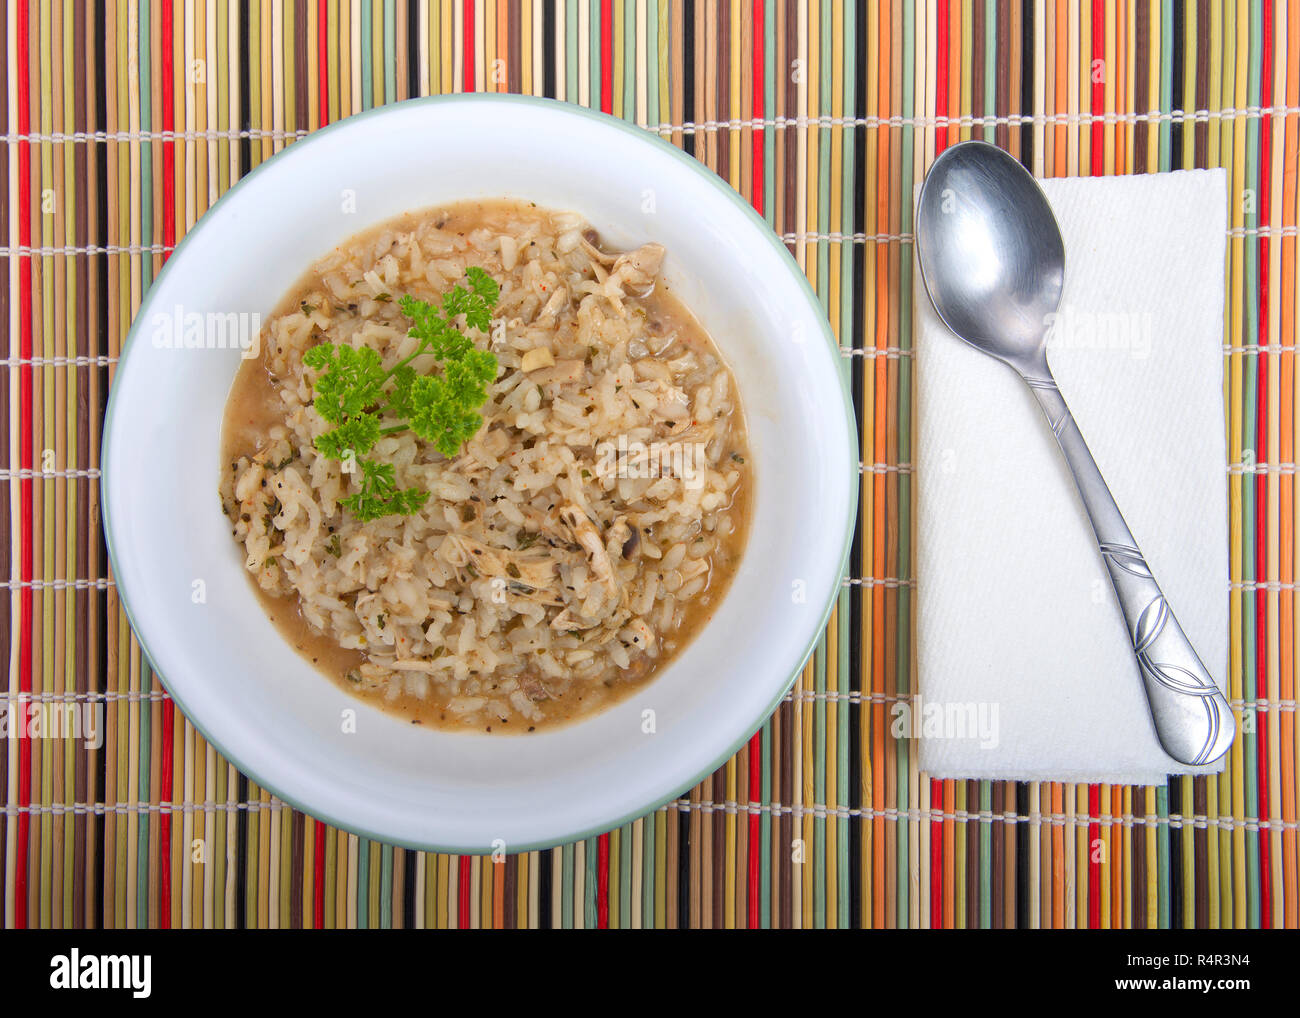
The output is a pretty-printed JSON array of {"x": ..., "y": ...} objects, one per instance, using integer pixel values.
[
  {"x": 169, "y": 242},
  {"x": 941, "y": 73},
  {"x": 936, "y": 786},
  {"x": 463, "y": 908},
  {"x": 318, "y": 896},
  {"x": 759, "y": 67},
  {"x": 169, "y": 123},
  {"x": 24, "y": 462},
  {"x": 467, "y": 79},
  {"x": 1098, "y": 87},
  {"x": 753, "y": 876},
  {"x": 752, "y": 894},
  {"x": 322, "y": 59},
  {"x": 165, "y": 817},
  {"x": 936, "y": 848},
  {"x": 1261, "y": 480},
  {"x": 607, "y": 56},
  {"x": 1095, "y": 890},
  {"x": 602, "y": 882}
]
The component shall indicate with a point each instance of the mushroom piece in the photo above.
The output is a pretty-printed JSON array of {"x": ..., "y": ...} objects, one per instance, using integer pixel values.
[
  {"x": 534, "y": 689},
  {"x": 640, "y": 266},
  {"x": 538, "y": 357},
  {"x": 585, "y": 533},
  {"x": 591, "y": 244},
  {"x": 559, "y": 372},
  {"x": 558, "y": 302},
  {"x": 623, "y": 539},
  {"x": 639, "y": 633},
  {"x": 636, "y": 271},
  {"x": 528, "y": 575},
  {"x": 569, "y": 620}
]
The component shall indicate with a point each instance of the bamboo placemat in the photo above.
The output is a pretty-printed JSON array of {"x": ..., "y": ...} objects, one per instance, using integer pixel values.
[{"x": 123, "y": 123}]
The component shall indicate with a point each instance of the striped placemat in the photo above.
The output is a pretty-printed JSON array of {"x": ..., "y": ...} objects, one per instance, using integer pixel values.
[{"x": 123, "y": 122}]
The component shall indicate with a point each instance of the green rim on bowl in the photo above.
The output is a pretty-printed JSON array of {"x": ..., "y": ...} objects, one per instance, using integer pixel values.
[{"x": 295, "y": 150}]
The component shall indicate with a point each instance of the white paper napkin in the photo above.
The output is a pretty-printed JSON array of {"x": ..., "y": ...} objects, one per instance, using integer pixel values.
[{"x": 1025, "y": 668}]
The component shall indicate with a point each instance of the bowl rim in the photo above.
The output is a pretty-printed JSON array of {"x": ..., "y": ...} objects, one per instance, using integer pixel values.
[{"x": 603, "y": 120}]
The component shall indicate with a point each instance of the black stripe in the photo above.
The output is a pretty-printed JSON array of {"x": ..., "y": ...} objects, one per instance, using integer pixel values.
[
  {"x": 241, "y": 861},
  {"x": 412, "y": 51},
  {"x": 683, "y": 868},
  {"x": 1175, "y": 786},
  {"x": 408, "y": 887},
  {"x": 545, "y": 891},
  {"x": 100, "y": 777},
  {"x": 242, "y": 858},
  {"x": 548, "y": 56},
  {"x": 857, "y": 368},
  {"x": 1027, "y": 81},
  {"x": 1022, "y": 856},
  {"x": 245, "y": 76}
]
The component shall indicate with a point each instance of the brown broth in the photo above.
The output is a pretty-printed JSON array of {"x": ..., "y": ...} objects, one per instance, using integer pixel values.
[{"x": 253, "y": 407}]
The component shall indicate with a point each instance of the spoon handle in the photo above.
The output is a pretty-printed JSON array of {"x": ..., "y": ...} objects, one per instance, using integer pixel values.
[{"x": 1192, "y": 717}]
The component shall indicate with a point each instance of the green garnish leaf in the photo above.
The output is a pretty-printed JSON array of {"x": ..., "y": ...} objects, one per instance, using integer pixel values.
[
  {"x": 399, "y": 400},
  {"x": 379, "y": 495},
  {"x": 355, "y": 436},
  {"x": 366, "y": 402},
  {"x": 352, "y": 379},
  {"x": 444, "y": 410},
  {"x": 476, "y": 303}
]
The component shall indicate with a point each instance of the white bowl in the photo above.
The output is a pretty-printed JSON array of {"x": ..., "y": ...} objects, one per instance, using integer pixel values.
[{"x": 264, "y": 707}]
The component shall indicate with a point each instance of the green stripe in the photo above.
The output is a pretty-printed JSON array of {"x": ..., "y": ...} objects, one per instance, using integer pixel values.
[
  {"x": 1166, "y": 78},
  {"x": 910, "y": 104},
  {"x": 986, "y": 857},
  {"x": 1227, "y": 99},
  {"x": 1162, "y": 858},
  {"x": 648, "y": 869},
  {"x": 594, "y": 65},
  {"x": 142, "y": 791},
  {"x": 571, "y": 50},
  {"x": 566, "y": 887},
  {"x": 362, "y": 890},
  {"x": 367, "y": 96},
  {"x": 390, "y": 51},
  {"x": 145, "y": 262},
  {"x": 146, "y": 162},
  {"x": 771, "y": 847},
  {"x": 589, "y": 885},
  {"x": 1164, "y": 141},
  {"x": 386, "y": 887},
  {"x": 626, "y": 836},
  {"x": 1251, "y": 436},
  {"x": 844, "y": 672},
  {"x": 629, "y": 60}
]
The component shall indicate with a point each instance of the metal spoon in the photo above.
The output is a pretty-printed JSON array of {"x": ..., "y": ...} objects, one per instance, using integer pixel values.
[{"x": 993, "y": 263}]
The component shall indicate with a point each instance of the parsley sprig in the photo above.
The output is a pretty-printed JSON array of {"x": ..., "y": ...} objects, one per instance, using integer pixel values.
[{"x": 358, "y": 395}]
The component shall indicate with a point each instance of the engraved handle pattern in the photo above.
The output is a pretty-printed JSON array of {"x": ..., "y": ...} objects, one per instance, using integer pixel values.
[{"x": 1192, "y": 716}]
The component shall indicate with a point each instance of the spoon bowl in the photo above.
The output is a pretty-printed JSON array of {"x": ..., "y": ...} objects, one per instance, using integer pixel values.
[
  {"x": 993, "y": 263},
  {"x": 991, "y": 253}
]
